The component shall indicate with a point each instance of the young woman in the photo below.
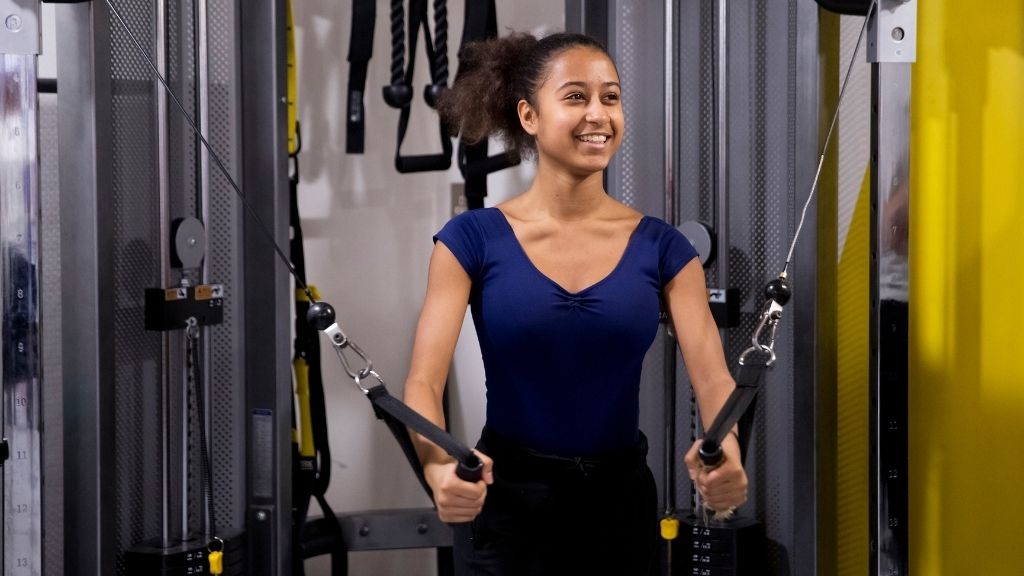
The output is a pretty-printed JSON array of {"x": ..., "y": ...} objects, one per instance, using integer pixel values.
[{"x": 565, "y": 286}]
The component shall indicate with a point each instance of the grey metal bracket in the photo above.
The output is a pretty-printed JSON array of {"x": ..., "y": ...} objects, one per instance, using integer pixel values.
[
  {"x": 394, "y": 529},
  {"x": 19, "y": 27},
  {"x": 892, "y": 32}
]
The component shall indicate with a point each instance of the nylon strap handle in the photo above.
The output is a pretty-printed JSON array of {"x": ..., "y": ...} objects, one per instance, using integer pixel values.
[
  {"x": 400, "y": 419},
  {"x": 360, "y": 50},
  {"x": 749, "y": 378}
]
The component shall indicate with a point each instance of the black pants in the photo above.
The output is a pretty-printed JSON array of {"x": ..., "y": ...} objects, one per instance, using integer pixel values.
[{"x": 548, "y": 515}]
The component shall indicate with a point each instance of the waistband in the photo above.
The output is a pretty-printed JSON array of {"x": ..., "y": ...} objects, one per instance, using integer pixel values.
[{"x": 512, "y": 458}]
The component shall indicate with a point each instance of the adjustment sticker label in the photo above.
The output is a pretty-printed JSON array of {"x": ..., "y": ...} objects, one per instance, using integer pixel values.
[{"x": 172, "y": 294}]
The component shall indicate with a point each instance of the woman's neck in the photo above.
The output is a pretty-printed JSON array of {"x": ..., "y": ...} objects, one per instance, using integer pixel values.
[{"x": 564, "y": 196}]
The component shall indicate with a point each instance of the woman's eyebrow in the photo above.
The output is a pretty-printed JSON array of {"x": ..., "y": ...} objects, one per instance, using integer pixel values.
[{"x": 584, "y": 84}]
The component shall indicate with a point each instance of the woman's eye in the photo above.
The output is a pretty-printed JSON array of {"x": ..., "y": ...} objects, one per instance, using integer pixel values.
[
  {"x": 574, "y": 96},
  {"x": 612, "y": 97}
]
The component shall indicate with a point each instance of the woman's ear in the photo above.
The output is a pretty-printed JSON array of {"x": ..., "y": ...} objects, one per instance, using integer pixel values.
[{"x": 527, "y": 117}]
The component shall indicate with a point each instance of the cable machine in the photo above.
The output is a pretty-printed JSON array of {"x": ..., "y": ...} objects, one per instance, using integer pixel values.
[
  {"x": 746, "y": 129},
  {"x": 124, "y": 386}
]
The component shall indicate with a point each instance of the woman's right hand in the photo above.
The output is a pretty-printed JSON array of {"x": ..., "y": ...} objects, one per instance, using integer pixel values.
[{"x": 457, "y": 500}]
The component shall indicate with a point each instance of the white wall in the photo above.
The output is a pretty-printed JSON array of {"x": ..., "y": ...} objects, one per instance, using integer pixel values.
[{"x": 368, "y": 240}]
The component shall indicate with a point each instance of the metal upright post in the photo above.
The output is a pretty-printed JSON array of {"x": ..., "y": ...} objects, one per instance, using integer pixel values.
[
  {"x": 20, "y": 290},
  {"x": 722, "y": 143},
  {"x": 892, "y": 36},
  {"x": 87, "y": 324},
  {"x": 266, "y": 288},
  {"x": 200, "y": 8}
]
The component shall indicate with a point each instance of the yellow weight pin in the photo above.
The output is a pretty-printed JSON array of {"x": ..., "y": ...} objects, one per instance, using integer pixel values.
[
  {"x": 216, "y": 556},
  {"x": 669, "y": 528}
]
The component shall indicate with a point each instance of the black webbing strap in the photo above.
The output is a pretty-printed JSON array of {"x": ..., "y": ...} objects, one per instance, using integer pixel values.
[
  {"x": 311, "y": 476},
  {"x": 360, "y": 49},
  {"x": 400, "y": 418},
  {"x": 473, "y": 160},
  {"x": 749, "y": 378},
  {"x": 399, "y": 93},
  {"x": 307, "y": 340}
]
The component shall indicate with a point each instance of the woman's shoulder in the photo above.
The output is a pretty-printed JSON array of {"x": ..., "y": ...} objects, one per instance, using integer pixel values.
[{"x": 483, "y": 222}]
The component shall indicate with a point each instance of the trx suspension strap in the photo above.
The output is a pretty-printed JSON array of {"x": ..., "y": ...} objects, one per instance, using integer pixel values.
[
  {"x": 311, "y": 452},
  {"x": 360, "y": 48},
  {"x": 322, "y": 317},
  {"x": 474, "y": 163},
  {"x": 398, "y": 94},
  {"x": 293, "y": 85}
]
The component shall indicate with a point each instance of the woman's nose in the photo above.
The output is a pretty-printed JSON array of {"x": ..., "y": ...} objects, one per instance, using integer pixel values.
[{"x": 596, "y": 114}]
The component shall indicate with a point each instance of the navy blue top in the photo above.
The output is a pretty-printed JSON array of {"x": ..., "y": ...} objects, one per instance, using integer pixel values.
[{"x": 563, "y": 368}]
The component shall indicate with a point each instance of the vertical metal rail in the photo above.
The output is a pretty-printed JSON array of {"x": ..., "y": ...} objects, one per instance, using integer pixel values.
[
  {"x": 203, "y": 209},
  {"x": 672, "y": 217},
  {"x": 19, "y": 253},
  {"x": 889, "y": 322},
  {"x": 165, "y": 272},
  {"x": 671, "y": 208},
  {"x": 20, "y": 290},
  {"x": 722, "y": 143},
  {"x": 892, "y": 44}
]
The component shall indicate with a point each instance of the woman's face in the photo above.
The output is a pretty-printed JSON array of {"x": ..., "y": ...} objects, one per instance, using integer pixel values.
[{"x": 577, "y": 120}]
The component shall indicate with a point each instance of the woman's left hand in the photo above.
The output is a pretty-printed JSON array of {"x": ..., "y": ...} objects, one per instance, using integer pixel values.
[{"x": 723, "y": 487}]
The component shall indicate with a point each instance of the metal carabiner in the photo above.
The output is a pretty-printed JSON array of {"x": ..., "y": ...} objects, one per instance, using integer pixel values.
[
  {"x": 769, "y": 319},
  {"x": 340, "y": 342},
  {"x": 363, "y": 372}
]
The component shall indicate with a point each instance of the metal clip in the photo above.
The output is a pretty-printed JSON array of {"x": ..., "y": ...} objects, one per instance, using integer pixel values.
[
  {"x": 192, "y": 328},
  {"x": 341, "y": 342},
  {"x": 769, "y": 319}
]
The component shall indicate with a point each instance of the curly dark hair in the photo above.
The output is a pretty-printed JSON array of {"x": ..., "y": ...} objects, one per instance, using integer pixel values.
[{"x": 494, "y": 75}]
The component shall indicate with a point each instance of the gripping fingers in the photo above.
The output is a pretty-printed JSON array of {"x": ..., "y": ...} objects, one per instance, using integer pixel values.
[
  {"x": 723, "y": 487},
  {"x": 458, "y": 500},
  {"x": 458, "y": 507}
]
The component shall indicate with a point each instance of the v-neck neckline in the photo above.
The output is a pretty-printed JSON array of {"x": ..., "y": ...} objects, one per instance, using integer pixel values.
[{"x": 563, "y": 289}]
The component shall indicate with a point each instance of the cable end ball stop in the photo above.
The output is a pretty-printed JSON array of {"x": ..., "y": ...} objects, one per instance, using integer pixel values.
[
  {"x": 778, "y": 290},
  {"x": 320, "y": 316}
]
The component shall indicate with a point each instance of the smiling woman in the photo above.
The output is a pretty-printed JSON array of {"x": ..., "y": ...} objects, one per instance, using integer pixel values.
[{"x": 565, "y": 285}]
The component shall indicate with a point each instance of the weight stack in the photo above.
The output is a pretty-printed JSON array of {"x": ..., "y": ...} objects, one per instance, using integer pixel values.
[
  {"x": 732, "y": 548},
  {"x": 184, "y": 558}
]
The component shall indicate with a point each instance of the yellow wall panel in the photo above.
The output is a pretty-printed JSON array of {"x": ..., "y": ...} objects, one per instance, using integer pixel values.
[
  {"x": 852, "y": 397},
  {"x": 967, "y": 275}
]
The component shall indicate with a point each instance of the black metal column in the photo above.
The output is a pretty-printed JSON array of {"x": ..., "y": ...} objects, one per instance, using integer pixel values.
[{"x": 267, "y": 287}]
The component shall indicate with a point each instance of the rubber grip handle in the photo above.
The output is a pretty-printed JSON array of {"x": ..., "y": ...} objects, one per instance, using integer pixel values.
[
  {"x": 471, "y": 470},
  {"x": 710, "y": 453}
]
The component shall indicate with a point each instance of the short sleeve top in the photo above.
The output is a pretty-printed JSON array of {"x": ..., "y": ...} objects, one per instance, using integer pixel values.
[{"x": 563, "y": 368}]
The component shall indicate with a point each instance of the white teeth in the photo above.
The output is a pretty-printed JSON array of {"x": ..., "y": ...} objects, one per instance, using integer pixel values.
[{"x": 593, "y": 138}]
